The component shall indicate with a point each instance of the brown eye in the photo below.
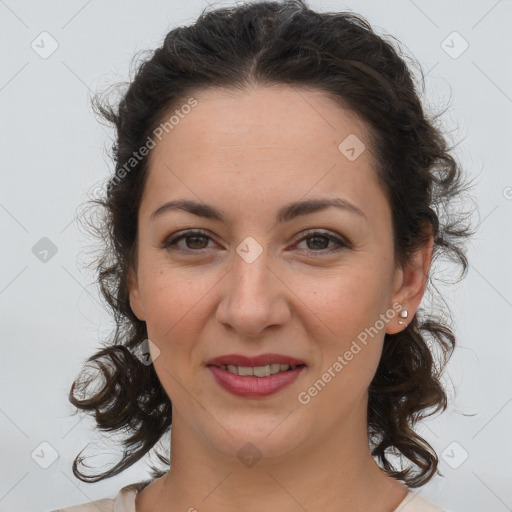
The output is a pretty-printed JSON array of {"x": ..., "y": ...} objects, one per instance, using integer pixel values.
[
  {"x": 197, "y": 242},
  {"x": 194, "y": 241},
  {"x": 317, "y": 241}
]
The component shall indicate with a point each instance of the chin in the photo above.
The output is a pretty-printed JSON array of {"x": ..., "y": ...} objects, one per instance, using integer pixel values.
[{"x": 265, "y": 440}]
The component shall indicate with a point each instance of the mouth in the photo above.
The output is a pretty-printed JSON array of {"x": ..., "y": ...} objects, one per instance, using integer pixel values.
[
  {"x": 255, "y": 361},
  {"x": 258, "y": 371},
  {"x": 255, "y": 376}
]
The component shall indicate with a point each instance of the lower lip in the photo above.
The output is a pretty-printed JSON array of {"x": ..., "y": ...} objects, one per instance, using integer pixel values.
[{"x": 254, "y": 386}]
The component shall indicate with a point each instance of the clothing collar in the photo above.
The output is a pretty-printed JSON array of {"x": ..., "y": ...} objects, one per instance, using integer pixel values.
[{"x": 125, "y": 499}]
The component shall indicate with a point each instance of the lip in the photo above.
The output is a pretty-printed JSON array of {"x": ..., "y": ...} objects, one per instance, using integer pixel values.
[
  {"x": 261, "y": 360},
  {"x": 254, "y": 386}
]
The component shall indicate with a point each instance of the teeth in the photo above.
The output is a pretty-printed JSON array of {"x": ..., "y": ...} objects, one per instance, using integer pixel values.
[
  {"x": 275, "y": 368},
  {"x": 257, "y": 371},
  {"x": 230, "y": 367},
  {"x": 243, "y": 370}
]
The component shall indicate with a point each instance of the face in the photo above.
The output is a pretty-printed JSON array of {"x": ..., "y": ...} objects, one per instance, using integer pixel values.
[{"x": 252, "y": 278}]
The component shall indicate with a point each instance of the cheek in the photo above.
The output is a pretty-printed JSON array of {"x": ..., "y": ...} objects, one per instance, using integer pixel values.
[
  {"x": 171, "y": 302},
  {"x": 348, "y": 345},
  {"x": 348, "y": 304},
  {"x": 348, "y": 300},
  {"x": 175, "y": 316}
]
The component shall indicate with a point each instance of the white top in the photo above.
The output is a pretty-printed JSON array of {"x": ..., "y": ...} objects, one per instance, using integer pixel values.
[{"x": 125, "y": 502}]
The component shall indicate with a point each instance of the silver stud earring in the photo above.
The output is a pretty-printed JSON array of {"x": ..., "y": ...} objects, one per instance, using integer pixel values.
[{"x": 403, "y": 314}]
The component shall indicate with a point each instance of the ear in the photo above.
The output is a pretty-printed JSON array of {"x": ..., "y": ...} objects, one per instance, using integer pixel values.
[
  {"x": 134, "y": 294},
  {"x": 409, "y": 284}
]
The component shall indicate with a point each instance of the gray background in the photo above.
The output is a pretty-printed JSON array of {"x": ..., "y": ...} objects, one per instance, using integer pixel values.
[{"x": 54, "y": 153}]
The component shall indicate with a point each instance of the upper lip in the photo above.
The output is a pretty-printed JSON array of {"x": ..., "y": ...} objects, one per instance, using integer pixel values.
[{"x": 261, "y": 360}]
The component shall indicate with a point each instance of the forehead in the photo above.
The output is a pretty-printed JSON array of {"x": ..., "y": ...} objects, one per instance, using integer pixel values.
[
  {"x": 260, "y": 144},
  {"x": 284, "y": 118}
]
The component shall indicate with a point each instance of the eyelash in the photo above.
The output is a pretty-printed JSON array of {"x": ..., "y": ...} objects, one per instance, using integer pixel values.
[{"x": 343, "y": 244}]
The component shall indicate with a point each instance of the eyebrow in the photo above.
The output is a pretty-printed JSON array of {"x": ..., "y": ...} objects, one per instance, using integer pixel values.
[{"x": 286, "y": 213}]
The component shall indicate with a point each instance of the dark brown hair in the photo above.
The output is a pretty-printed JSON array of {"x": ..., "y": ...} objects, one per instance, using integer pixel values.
[{"x": 282, "y": 43}]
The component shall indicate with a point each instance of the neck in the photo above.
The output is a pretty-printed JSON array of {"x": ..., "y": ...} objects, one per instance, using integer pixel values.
[{"x": 333, "y": 474}]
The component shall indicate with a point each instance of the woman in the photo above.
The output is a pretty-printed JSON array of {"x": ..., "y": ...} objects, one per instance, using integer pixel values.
[{"x": 278, "y": 200}]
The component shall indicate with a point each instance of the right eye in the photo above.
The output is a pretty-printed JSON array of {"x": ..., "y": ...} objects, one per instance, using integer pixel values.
[{"x": 194, "y": 241}]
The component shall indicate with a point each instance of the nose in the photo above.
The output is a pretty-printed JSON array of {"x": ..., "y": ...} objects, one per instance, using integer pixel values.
[{"x": 254, "y": 298}]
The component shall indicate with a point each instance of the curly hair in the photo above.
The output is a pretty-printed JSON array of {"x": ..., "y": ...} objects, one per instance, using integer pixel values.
[{"x": 340, "y": 54}]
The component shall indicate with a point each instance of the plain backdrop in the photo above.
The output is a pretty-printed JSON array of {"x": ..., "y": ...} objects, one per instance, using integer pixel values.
[{"x": 54, "y": 56}]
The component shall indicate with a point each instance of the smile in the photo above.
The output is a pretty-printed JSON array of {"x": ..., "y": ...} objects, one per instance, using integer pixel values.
[
  {"x": 258, "y": 381},
  {"x": 258, "y": 371}
]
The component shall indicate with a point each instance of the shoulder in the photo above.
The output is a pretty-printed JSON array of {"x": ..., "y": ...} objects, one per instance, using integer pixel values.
[
  {"x": 123, "y": 502},
  {"x": 105, "y": 505},
  {"x": 414, "y": 502}
]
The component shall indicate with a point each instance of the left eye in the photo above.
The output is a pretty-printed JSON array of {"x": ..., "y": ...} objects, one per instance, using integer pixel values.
[{"x": 318, "y": 241}]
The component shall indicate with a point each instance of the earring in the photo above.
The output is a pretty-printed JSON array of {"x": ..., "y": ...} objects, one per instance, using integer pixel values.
[{"x": 403, "y": 314}]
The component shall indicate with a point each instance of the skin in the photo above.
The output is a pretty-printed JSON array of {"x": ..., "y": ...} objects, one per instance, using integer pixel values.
[{"x": 249, "y": 154}]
